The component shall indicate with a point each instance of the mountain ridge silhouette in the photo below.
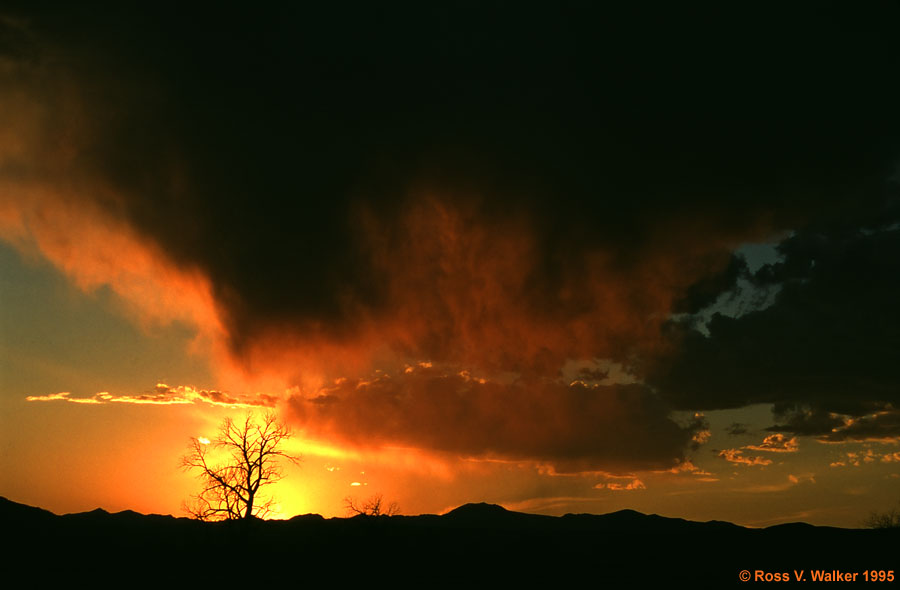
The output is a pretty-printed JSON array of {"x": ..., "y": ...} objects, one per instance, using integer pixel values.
[
  {"x": 472, "y": 511},
  {"x": 476, "y": 541}
]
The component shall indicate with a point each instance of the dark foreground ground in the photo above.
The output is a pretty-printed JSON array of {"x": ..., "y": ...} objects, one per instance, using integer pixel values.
[{"x": 472, "y": 546}]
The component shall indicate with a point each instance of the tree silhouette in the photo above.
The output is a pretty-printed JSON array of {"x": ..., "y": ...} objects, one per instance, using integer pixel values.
[
  {"x": 374, "y": 506},
  {"x": 231, "y": 489},
  {"x": 883, "y": 520}
]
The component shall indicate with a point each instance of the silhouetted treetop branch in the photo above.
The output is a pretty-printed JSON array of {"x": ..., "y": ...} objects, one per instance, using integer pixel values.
[{"x": 374, "y": 506}]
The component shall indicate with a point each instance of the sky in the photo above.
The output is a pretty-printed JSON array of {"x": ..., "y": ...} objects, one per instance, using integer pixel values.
[{"x": 562, "y": 259}]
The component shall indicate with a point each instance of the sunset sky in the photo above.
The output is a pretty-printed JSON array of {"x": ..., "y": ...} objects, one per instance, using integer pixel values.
[{"x": 558, "y": 259}]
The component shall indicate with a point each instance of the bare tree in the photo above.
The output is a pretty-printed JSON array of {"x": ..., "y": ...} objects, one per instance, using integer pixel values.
[
  {"x": 374, "y": 506},
  {"x": 883, "y": 520},
  {"x": 253, "y": 452}
]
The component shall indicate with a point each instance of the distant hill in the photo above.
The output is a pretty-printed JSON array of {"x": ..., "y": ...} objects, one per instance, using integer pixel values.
[{"x": 475, "y": 542}]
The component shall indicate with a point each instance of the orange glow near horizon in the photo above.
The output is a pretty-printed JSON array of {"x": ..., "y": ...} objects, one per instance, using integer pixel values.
[{"x": 131, "y": 462}]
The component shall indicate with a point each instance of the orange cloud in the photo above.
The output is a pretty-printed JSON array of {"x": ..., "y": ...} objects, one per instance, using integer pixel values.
[
  {"x": 634, "y": 484},
  {"x": 702, "y": 436},
  {"x": 165, "y": 395},
  {"x": 63, "y": 396},
  {"x": 94, "y": 249},
  {"x": 776, "y": 443},
  {"x": 801, "y": 478},
  {"x": 868, "y": 456},
  {"x": 858, "y": 458},
  {"x": 737, "y": 456},
  {"x": 686, "y": 466},
  {"x": 56, "y": 204}
]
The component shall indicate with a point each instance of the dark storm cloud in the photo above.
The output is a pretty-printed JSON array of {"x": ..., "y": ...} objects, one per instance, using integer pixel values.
[
  {"x": 825, "y": 349},
  {"x": 704, "y": 292},
  {"x": 804, "y": 419},
  {"x": 571, "y": 427},
  {"x": 248, "y": 144},
  {"x": 884, "y": 426},
  {"x": 503, "y": 189}
]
